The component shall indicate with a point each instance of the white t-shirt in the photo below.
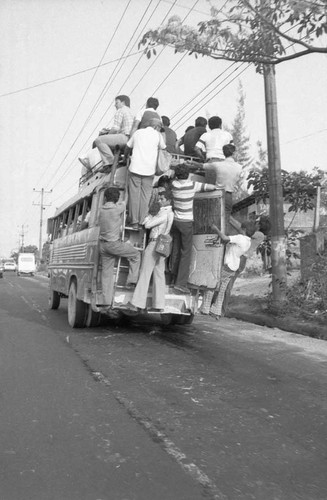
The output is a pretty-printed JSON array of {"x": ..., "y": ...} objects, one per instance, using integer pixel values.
[
  {"x": 225, "y": 173},
  {"x": 214, "y": 142},
  {"x": 145, "y": 143},
  {"x": 238, "y": 245}
]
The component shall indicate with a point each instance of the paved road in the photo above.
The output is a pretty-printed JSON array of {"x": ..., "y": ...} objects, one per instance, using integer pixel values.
[{"x": 146, "y": 412}]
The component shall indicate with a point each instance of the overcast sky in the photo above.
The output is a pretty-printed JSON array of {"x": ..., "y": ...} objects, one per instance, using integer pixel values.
[{"x": 53, "y": 103}]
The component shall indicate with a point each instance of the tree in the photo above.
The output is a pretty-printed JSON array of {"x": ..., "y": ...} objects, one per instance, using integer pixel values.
[
  {"x": 265, "y": 33},
  {"x": 26, "y": 249},
  {"x": 242, "y": 144},
  {"x": 255, "y": 31}
]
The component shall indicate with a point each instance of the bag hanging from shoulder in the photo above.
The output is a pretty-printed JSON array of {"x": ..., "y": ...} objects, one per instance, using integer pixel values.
[
  {"x": 164, "y": 245},
  {"x": 163, "y": 161}
]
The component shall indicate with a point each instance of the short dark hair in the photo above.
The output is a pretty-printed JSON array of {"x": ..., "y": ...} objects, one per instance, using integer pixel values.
[
  {"x": 250, "y": 228},
  {"x": 189, "y": 128},
  {"x": 215, "y": 122},
  {"x": 165, "y": 121},
  {"x": 167, "y": 194},
  {"x": 125, "y": 99},
  {"x": 112, "y": 194},
  {"x": 164, "y": 180},
  {"x": 152, "y": 102},
  {"x": 201, "y": 122},
  {"x": 229, "y": 150},
  {"x": 181, "y": 171}
]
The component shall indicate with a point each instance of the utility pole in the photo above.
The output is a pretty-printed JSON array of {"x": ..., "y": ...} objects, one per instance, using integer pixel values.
[
  {"x": 42, "y": 205},
  {"x": 22, "y": 235},
  {"x": 276, "y": 199}
]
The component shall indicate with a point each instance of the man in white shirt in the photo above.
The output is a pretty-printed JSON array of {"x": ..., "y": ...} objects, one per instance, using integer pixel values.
[
  {"x": 144, "y": 116},
  {"x": 145, "y": 143},
  {"x": 215, "y": 139},
  {"x": 236, "y": 246}
]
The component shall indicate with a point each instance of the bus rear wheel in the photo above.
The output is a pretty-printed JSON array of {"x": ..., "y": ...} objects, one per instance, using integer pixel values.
[
  {"x": 76, "y": 308},
  {"x": 92, "y": 318},
  {"x": 54, "y": 299}
]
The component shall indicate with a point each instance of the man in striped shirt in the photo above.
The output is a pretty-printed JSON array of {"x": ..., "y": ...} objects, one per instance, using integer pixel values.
[{"x": 183, "y": 191}]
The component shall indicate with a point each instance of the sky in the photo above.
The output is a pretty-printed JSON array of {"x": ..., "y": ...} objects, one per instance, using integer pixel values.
[{"x": 62, "y": 63}]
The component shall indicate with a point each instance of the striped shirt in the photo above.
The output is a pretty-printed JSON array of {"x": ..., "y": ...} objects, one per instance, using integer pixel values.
[{"x": 183, "y": 195}]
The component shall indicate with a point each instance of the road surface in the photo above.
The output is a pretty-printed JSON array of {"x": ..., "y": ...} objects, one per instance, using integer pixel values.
[{"x": 225, "y": 410}]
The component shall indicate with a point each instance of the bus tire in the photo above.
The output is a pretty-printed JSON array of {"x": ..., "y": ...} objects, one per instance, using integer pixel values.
[
  {"x": 92, "y": 318},
  {"x": 54, "y": 299},
  {"x": 76, "y": 308}
]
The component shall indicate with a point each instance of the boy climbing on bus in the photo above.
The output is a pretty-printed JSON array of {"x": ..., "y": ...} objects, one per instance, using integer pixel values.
[{"x": 111, "y": 245}]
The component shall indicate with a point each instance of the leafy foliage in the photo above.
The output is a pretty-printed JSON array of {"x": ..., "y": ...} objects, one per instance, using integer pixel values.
[
  {"x": 299, "y": 188},
  {"x": 254, "y": 31}
]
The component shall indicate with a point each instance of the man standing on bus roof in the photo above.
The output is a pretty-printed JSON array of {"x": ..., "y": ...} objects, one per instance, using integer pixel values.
[
  {"x": 111, "y": 246},
  {"x": 144, "y": 143},
  {"x": 118, "y": 134},
  {"x": 144, "y": 116},
  {"x": 215, "y": 139}
]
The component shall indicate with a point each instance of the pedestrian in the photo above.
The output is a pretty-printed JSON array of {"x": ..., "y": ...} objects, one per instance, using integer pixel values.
[
  {"x": 226, "y": 173},
  {"x": 236, "y": 246},
  {"x": 184, "y": 190},
  {"x": 118, "y": 134},
  {"x": 215, "y": 139},
  {"x": 111, "y": 246},
  {"x": 144, "y": 143},
  {"x": 153, "y": 263}
]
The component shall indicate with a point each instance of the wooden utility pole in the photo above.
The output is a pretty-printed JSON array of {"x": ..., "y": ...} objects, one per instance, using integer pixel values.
[
  {"x": 276, "y": 210},
  {"x": 42, "y": 191}
]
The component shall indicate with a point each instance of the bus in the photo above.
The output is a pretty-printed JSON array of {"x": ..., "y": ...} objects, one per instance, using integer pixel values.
[{"x": 75, "y": 262}]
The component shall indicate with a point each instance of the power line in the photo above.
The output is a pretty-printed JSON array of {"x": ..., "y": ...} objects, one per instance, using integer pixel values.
[
  {"x": 86, "y": 90},
  {"x": 70, "y": 75}
]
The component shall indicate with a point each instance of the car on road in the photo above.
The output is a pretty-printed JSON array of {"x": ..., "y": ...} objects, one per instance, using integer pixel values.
[{"x": 9, "y": 265}]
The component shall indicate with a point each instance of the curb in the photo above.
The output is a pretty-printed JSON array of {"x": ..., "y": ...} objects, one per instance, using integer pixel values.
[{"x": 289, "y": 324}]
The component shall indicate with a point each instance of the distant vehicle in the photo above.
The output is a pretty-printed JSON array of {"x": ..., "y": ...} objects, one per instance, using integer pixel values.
[
  {"x": 1, "y": 269},
  {"x": 9, "y": 265},
  {"x": 26, "y": 264}
]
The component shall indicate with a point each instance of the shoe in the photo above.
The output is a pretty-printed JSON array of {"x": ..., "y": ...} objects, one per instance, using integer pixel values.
[
  {"x": 130, "y": 286},
  {"x": 203, "y": 312},
  {"x": 215, "y": 316},
  {"x": 130, "y": 307},
  {"x": 181, "y": 289},
  {"x": 105, "y": 169},
  {"x": 85, "y": 162}
]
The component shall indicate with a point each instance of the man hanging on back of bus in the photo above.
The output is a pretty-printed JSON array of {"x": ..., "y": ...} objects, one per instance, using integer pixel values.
[
  {"x": 118, "y": 134},
  {"x": 184, "y": 190},
  {"x": 111, "y": 245}
]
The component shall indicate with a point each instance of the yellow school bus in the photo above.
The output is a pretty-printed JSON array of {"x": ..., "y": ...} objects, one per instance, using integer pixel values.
[{"x": 75, "y": 261}]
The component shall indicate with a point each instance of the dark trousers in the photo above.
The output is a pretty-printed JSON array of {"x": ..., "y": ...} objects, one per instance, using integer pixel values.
[{"x": 182, "y": 234}]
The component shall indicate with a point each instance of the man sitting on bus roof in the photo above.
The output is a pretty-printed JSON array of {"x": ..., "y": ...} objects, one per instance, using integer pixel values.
[
  {"x": 118, "y": 134},
  {"x": 111, "y": 246}
]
